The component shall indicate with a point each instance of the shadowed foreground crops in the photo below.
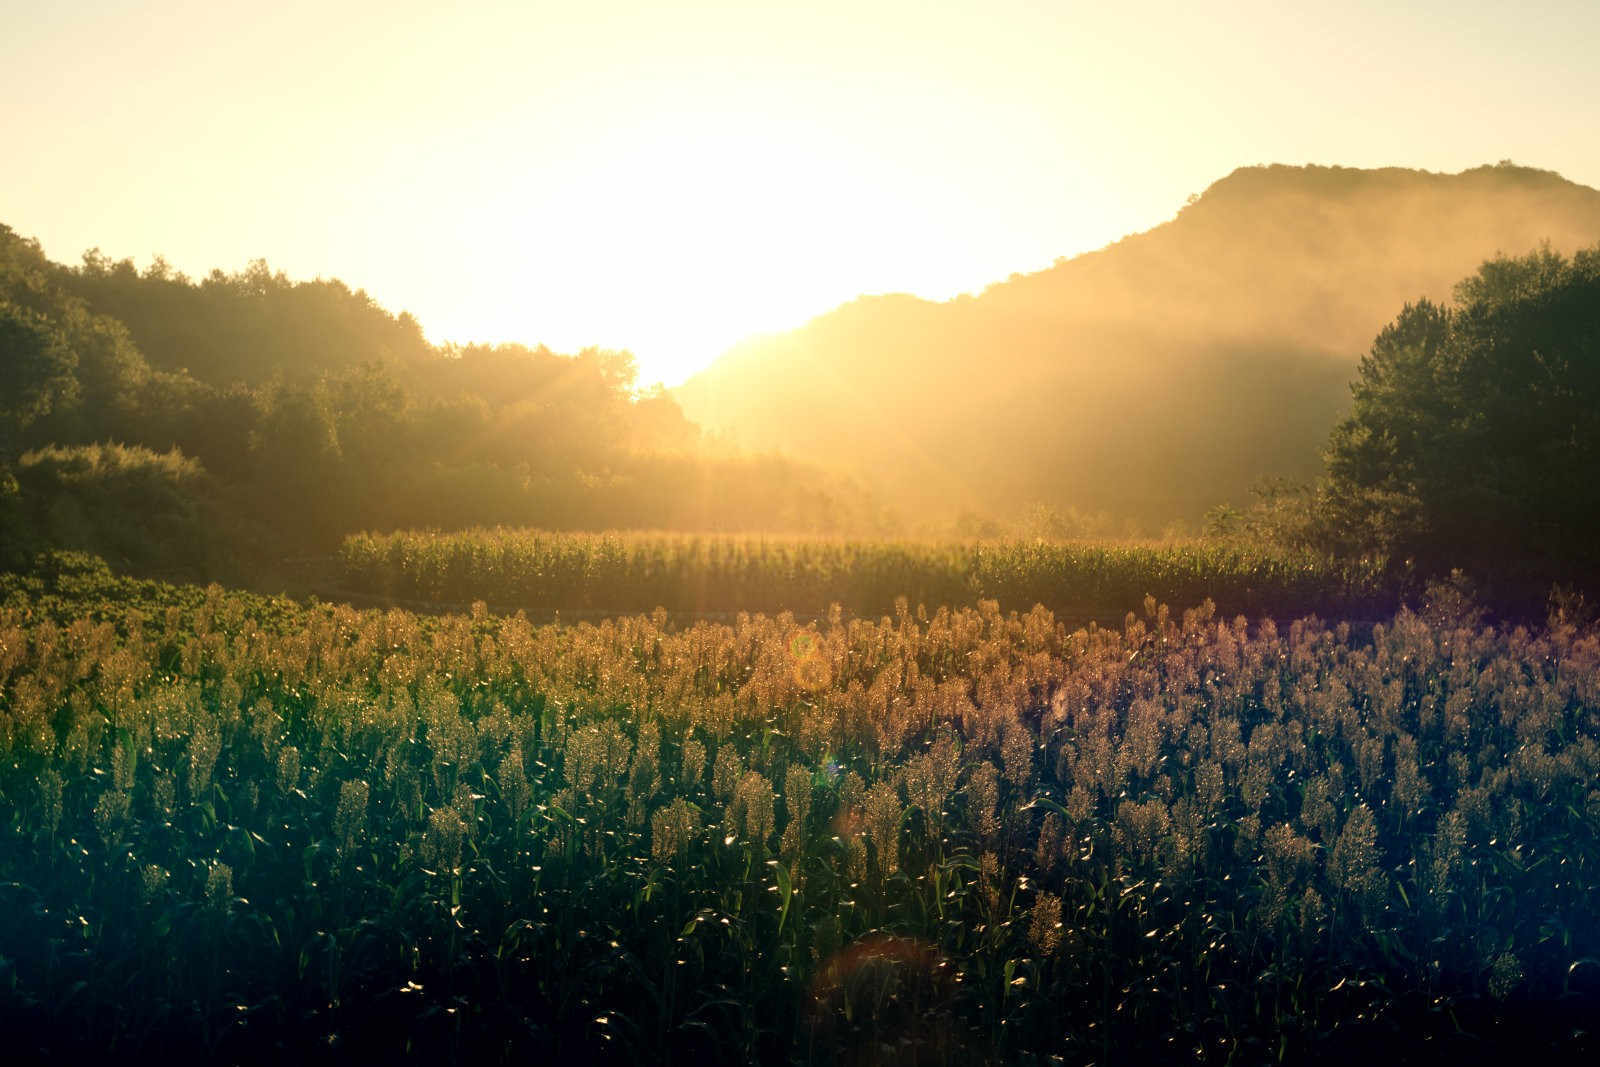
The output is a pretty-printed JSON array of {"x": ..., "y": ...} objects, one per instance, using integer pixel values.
[{"x": 234, "y": 828}]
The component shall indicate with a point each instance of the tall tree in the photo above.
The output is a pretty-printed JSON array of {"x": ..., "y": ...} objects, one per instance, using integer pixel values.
[{"x": 1475, "y": 433}]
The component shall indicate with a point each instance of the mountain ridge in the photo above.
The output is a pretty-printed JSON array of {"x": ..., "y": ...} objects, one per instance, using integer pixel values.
[{"x": 1254, "y": 302}]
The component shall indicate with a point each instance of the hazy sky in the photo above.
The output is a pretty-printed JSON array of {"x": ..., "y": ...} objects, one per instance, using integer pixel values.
[{"x": 671, "y": 176}]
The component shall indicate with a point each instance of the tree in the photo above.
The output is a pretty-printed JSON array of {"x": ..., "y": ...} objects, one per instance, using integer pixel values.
[
  {"x": 1475, "y": 432},
  {"x": 298, "y": 464},
  {"x": 36, "y": 372}
]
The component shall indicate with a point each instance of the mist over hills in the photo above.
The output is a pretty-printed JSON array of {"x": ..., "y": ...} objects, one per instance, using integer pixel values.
[{"x": 1148, "y": 380}]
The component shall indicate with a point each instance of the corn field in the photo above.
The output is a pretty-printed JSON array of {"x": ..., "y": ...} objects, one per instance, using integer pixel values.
[
  {"x": 237, "y": 829},
  {"x": 622, "y": 573}
]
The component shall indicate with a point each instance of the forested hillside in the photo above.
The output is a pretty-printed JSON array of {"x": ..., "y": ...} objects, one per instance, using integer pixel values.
[
  {"x": 1153, "y": 378},
  {"x": 174, "y": 425}
]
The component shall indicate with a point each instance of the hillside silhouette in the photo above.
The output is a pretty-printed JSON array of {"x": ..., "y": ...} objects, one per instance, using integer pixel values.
[{"x": 1148, "y": 380}]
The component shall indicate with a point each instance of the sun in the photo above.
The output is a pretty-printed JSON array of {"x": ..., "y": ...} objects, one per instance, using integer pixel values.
[{"x": 678, "y": 240}]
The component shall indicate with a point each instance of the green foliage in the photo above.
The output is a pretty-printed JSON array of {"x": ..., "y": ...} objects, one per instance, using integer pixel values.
[
  {"x": 1283, "y": 513},
  {"x": 252, "y": 326},
  {"x": 66, "y": 373},
  {"x": 15, "y": 532},
  {"x": 138, "y": 508},
  {"x": 36, "y": 372},
  {"x": 236, "y": 829},
  {"x": 1476, "y": 428}
]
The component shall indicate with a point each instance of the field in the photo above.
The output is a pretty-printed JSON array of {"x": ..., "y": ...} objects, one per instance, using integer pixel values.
[
  {"x": 238, "y": 828},
  {"x": 546, "y": 573}
]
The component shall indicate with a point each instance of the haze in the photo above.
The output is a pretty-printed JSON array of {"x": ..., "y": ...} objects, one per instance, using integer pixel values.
[{"x": 672, "y": 178}]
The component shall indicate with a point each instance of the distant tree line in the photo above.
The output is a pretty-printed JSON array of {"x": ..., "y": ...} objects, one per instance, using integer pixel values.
[{"x": 276, "y": 416}]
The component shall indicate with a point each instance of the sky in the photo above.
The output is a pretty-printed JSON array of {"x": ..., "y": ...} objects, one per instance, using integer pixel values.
[{"x": 671, "y": 177}]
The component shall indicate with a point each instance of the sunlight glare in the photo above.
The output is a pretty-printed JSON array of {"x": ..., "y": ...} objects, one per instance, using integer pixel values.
[{"x": 685, "y": 240}]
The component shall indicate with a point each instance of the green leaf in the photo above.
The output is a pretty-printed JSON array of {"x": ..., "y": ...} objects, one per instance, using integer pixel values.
[{"x": 786, "y": 890}]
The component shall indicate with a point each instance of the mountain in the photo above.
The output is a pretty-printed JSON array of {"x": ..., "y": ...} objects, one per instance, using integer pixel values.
[{"x": 1148, "y": 380}]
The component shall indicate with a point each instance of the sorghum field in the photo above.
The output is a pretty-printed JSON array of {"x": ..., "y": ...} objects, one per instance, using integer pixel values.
[
  {"x": 544, "y": 572},
  {"x": 238, "y": 829}
]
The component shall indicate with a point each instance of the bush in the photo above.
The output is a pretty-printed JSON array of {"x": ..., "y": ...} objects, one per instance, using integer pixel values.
[{"x": 135, "y": 507}]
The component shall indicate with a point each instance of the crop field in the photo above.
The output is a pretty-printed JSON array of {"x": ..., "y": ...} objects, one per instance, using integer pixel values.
[
  {"x": 238, "y": 829},
  {"x": 621, "y": 573}
]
